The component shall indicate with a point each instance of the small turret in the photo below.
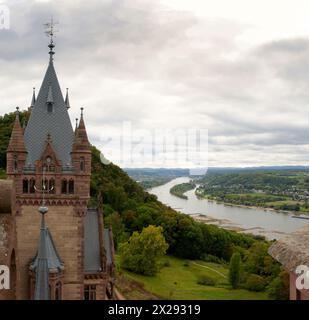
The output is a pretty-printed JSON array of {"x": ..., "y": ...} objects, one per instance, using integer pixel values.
[
  {"x": 81, "y": 157},
  {"x": 16, "y": 152}
]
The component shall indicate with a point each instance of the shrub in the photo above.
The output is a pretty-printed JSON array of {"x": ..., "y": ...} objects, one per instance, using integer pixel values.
[
  {"x": 143, "y": 251},
  {"x": 255, "y": 283},
  {"x": 278, "y": 289},
  {"x": 212, "y": 258},
  {"x": 206, "y": 281}
]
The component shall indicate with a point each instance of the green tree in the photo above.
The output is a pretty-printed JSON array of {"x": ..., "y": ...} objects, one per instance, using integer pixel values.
[
  {"x": 256, "y": 262},
  {"x": 278, "y": 289},
  {"x": 234, "y": 271},
  {"x": 114, "y": 220},
  {"x": 142, "y": 253}
]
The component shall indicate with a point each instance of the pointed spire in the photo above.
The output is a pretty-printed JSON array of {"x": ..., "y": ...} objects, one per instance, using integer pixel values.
[
  {"x": 81, "y": 141},
  {"x": 47, "y": 259},
  {"x": 33, "y": 99},
  {"x": 81, "y": 122},
  {"x": 42, "y": 271},
  {"x": 67, "y": 101},
  {"x": 17, "y": 143},
  {"x": 50, "y": 98},
  {"x": 76, "y": 124}
]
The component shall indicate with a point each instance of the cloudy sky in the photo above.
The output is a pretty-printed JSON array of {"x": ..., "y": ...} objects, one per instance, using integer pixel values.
[{"x": 148, "y": 70}]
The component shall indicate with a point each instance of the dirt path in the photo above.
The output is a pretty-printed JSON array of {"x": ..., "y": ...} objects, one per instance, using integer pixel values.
[{"x": 214, "y": 270}]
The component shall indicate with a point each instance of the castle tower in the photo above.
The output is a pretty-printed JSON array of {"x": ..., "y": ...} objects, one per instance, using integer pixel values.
[{"x": 49, "y": 157}]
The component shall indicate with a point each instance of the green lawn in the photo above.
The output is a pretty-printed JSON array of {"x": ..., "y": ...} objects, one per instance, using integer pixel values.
[{"x": 178, "y": 281}]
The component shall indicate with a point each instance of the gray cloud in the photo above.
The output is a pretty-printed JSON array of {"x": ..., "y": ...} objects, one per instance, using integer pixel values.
[{"x": 141, "y": 62}]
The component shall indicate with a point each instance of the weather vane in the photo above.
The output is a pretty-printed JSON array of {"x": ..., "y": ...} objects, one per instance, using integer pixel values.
[{"x": 50, "y": 32}]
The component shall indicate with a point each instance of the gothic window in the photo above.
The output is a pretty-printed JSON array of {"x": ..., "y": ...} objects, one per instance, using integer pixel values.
[
  {"x": 90, "y": 292},
  {"x": 71, "y": 186},
  {"x": 51, "y": 186},
  {"x": 31, "y": 186},
  {"x": 58, "y": 292},
  {"x": 15, "y": 163},
  {"x": 64, "y": 186},
  {"x": 82, "y": 164},
  {"x": 25, "y": 186},
  {"x": 49, "y": 164},
  {"x": 50, "y": 107}
]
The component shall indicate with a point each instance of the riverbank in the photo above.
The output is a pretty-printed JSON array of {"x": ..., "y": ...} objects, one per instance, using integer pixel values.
[
  {"x": 229, "y": 225},
  {"x": 296, "y": 213},
  {"x": 258, "y": 221}
]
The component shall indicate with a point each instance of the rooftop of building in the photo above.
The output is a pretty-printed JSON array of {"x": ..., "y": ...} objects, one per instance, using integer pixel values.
[{"x": 292, "y": 250}]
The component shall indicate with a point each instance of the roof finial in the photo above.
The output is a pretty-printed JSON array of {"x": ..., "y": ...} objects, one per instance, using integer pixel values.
[
  {"x": 67, "y": 101},
  {"x": 76, "y": 123},
  {"x": 33, "y": 98},
  {"x": 81, "y": 112},
  {"x": 50, "y": 32},
  {"x": 17, "y": 113}
]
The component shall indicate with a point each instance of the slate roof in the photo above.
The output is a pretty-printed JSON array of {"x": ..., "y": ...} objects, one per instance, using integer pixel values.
[
  {"x": 56, "y": 123},
  {"x": 92, "y": 260},
  {"x": 54, "y": 262},
  {"x": 47, "y": 260}
]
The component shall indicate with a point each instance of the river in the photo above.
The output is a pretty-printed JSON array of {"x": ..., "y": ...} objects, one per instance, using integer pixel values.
[{"x": 271, "y": 224}]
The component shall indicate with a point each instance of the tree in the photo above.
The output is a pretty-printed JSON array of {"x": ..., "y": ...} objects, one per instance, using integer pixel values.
[
  {"x": 255, "y": 262},
  {"x": 278, "y": 289},
  {"x": 114, "y": 220},
  {"x": 142, "y": 253},
  {"x": 234, "y": 272}
]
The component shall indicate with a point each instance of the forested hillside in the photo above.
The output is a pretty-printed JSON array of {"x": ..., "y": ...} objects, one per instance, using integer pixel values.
[{"x": 128, "y": 208}]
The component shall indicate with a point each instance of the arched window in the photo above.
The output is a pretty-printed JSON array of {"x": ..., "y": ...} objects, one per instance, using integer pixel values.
[
  {"x": 71, "y": 186},
  {"x": 25, "y": 186},
  {"x": 64, "y": 186},
  {"x": 58, "y": 290},
  {"x": 51, "y": 186},
  {"x": 82, "y": 164},
  {"x": 31, "y": 186},
  {"x": 15, "y": 163}
]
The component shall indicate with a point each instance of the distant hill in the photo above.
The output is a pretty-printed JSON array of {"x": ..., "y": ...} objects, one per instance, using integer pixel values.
[{"x": 179, "y": 172}]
